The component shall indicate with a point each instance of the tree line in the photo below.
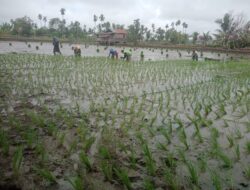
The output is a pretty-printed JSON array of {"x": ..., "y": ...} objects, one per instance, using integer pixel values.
[{"x": 233, "y": 30}]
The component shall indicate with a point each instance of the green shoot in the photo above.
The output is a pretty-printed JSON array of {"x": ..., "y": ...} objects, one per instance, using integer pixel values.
[
  {"x": 4, "y": 143},
  {"x": 230, "y": 139},
  {"x": 247, "y": 172},
  {"x": 247, "y": 147},
  {"x": 107, "y": 170},
  {"x": 123, "y": 177},
  {"x": 170, "y": 179},
  {"x": 85, "y": 161},
  {"x": 17, "y": 160},
  {"x": 76, "y": 183},
  {"x": 237, "y": 152},
  {"x": 193, "y": 173},
  {"x": 216, "y": 180},
  {"x": 148, "y": 184},
  {"x": 46, "y": 174}
]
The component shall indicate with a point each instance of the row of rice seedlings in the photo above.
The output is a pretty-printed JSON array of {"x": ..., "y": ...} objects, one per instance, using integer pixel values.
[
  {"x": 150, "y": 162},
  {"x": 17, "y": 160},
  {"x": 4, "y": 142}
]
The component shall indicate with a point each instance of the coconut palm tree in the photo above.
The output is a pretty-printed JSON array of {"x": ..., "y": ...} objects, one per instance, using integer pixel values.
[
  {"x": 228, "y": 27},
  {"x": 172, "y": 25},
  {"x": 153, "y": 27},
  {"x": 195, "y": 37},
  {"x": 166, "y": 26},
  {"x": 178, "y": 23},
  {"x": 205, "y": 38},
  {"x": 95, "y": 20},
  {"x": 45, "y": 20},
  {"x": 102, "y": 18},
  {"x": 184, "y": 26},
  {"x": 62, "y": 11},
  {"x": 40, "y": 17}
]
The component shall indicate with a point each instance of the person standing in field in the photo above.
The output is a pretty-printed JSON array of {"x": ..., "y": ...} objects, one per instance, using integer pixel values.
[
  {"x": 194, "y": 56},
  {"x": 113, "y": 54},
  {"x": 142, "y": 56},
  {"x": 56, "y": 46},
  {"x": 77, "y": 51}
]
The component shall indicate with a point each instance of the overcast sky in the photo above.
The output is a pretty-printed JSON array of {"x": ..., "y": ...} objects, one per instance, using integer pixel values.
[{"x": 198, "y": 14}]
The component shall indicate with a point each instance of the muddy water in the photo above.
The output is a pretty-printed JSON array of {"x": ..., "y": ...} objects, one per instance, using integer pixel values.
[{"x": 150, "y": 54}]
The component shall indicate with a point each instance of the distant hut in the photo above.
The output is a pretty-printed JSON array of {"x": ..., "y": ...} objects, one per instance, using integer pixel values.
[{"x": 118, "y": 36}]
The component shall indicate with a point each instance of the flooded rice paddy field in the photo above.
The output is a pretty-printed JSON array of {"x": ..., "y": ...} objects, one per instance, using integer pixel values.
[
  {"x": 95, "y": 123},
  {"x": 150, "y": 53}
]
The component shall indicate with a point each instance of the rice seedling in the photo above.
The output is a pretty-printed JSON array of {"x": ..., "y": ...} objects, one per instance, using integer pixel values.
[
  {"x": 237, "y": 152},
  {"x": 132, "y": 159},
  {"x": 31, "y": 137},
  {"x": 45, "y": 174},
  {"x": 76, "y": 182},
  {"x": 238, "y": 133},
  {"x": 166, "y": 134},
  {"x": 52, "y": 128},
  {"x": 171, "y": 179},
  {"x": 41, "y": 151},
  {"x": 247, "y": 172},
  {"x": 88, "y": 143},
  {"x": 227, "y": 163},
  {"x": 123, "y": 177},
  {"x": 247, "y": 124},
  {"x": 148, "y": 184},
  {"x": 85, "y": 161},
  {"x": 180, "y": 123},
  {"x": 36, "y": 119},
  {"x": 214, "y": 141},
  {"x": 225, "y": 125},
  {"x": 247, "y": 147},
  {"x": 4, "y": 142},
  {"x": 183, "y": 138},
  {"x": 230, "y": 139},
  {"x": 107, "y": 170},
  {"x": 72, "y": 146},
  {"x": 193, "y": 174},
  {"x": 182, "y": 156},
  {"x": 197, "y": 133},
  {"x": 162, "y": 147},
  {"x": 61, "y": 137},
  {"x": 17, "y": 160},
  {"x": 215, "y": 178},
  {"x": 152, "y": 121},
  {"x": 202, "y": 163},
  {"x": 170, "y": 161},
  {"x": 104, "y": 153},
  {"x": 150, "y": 163}
]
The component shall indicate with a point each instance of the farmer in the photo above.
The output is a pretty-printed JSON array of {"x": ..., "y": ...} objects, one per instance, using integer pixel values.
[
  {"x": 56, "y": 46},
  {"x": 113, "y": 54},
  {"x": 77, "y": 51},
  {"x": 142, "y": 56},
  {"x": 127, "y": 54},
  {"x": 194, "y": 56}
]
